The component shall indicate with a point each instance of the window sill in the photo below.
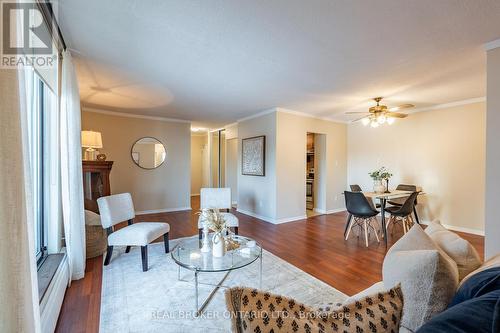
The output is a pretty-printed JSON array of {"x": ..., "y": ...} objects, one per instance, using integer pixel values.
[
  {"x": 52, "y": 298},
  {"x": 47, "y": 271}
]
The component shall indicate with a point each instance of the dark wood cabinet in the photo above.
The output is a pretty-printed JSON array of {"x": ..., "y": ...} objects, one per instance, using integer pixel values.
[{"x": 95, "y": 182}]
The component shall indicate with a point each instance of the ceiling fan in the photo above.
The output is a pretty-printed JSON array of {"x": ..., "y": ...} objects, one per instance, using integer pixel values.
[{"x": 381, "y": 114}]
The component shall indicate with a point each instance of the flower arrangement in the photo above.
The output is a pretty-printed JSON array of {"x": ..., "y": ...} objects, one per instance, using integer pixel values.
[
  {"x": 214, "y": 220},
  {"x": 380, "y": 174}
]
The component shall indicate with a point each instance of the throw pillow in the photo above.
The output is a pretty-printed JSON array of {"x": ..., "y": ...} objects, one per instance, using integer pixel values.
[
  {"x": 257, "y": 311},
  {"x": 427, "y": 275},
  {"x": 92, "y": 218},
  {"x": 478, "y": 285},
  {"x": 478, "y": 315},
  {"x": 460, "y": 250},
  {"x": 490, "y": 263}
]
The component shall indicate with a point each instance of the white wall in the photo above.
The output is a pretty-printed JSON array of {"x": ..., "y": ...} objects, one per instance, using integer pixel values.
[
  {"x": 280, "y": 195},
  {"x": 232, "y": 157},
  {"x": 492, "y": 211},
  {"x": 165, "y": 188},
  {"x": 291, "y": 163},
  {"x": 257, "y": 195},
  {"x": 231, "y": 168},
  {"x": 198, "y": 144},
  {"x": 443, "y": 151}
]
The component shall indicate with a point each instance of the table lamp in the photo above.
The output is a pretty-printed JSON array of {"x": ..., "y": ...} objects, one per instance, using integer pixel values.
[{"x": 91, "y": 140}]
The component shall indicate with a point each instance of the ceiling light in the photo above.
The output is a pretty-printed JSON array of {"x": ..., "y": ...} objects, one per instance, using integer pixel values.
[
  {"x": 374, "y": 124},
  {"x": 381, "y": 119},
  {"x": 391, "y": 120},
  {"x": 365, "y": 121}
]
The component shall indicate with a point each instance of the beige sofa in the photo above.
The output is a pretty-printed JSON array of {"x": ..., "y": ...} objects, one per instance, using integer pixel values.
[{"x": 427, "y": 265}]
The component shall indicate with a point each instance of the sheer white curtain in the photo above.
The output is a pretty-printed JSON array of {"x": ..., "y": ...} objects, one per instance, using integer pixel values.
[
  {"x": 71, "y": 170},
  {"x": 19, "y": 309}
]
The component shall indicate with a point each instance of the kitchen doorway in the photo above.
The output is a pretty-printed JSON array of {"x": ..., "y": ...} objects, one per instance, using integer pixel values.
[{"x": 315, "y": 174}]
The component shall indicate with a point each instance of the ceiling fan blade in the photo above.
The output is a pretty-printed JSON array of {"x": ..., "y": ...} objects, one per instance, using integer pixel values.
[
  {"x": 367, "y": 113},
  {"x": 402, "y": 106},
  {"x": 396, "y": 115}
]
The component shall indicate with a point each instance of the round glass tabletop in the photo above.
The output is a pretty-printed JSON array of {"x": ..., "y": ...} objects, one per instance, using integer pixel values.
[{"x": 188, "y": 255}]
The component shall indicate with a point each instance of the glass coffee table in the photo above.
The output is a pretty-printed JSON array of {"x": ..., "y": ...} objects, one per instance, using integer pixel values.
[{"x": 187, "y": 255}]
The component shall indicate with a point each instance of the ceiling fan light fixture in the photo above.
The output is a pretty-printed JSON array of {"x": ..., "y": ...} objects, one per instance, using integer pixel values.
[
  {"x": 365, "y": 121},
  {"x": 374, "y": 124},
  {"x": 381, "y": 119},
  {"x": 391, "y": 120}
]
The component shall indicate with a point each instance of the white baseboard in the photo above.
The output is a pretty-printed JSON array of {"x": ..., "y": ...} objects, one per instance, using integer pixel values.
[
  {"x": 234, "y": 203},
  {"x": 257, "y": 216},
  {"x": 321, "y": 211},
  {"x": 51, "y": 303},
  {"x": 271, "y": 220},
  {"x": 460, "y": 229},
  {"x": 162, "y": 210},
  {"x": 290, "y": 219},
  {"x": 336, "y": 210}
]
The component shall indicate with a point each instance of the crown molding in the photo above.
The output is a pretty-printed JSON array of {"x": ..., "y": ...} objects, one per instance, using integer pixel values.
[
  {"x": 288, "y": 111},
  {"x": 450, "y": 105},
  {"x": 307, "y": 115},
  {"x": 258, "y": 114},
  {"x": 492, "y": 45},
  {"x": 230, "y": 125},
  {"x": 133, "y": 115}
]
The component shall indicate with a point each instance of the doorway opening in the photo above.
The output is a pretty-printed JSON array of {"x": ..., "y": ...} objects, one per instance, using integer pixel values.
[
  {"x": 315, "y": 174},
  {"x": 200, "y": 162},
  {"x": 217, "y": 142}
]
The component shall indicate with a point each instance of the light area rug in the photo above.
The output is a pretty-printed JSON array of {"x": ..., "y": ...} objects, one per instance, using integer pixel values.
[{"x": 156, "y": 301}]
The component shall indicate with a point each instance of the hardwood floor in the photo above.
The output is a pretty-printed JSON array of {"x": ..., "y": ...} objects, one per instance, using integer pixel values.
[{"x": 315, "y": 245}]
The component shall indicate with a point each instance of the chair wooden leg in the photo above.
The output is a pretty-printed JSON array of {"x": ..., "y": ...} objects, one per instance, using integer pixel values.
[
  {"x": 165, "y": 242},
  {"x": 127, "y": 250},
  {"x": 351, "y": 222},
  {"x": 404, "y": 225},
  {"x": 376, "y": 233},
  {"x": 366, "y": 232},
  {"x": 144, "y": 257},
  {"x": 200, "y": 233},
  {"x": 236, "y": 230},
  {"x": 109, "y": 253},
  {"x": 347, "y": 224},
  {"x": 416, "y": 215}
]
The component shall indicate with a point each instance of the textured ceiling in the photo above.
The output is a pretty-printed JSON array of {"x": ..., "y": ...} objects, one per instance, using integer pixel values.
[{"x": 218, "y": 61}]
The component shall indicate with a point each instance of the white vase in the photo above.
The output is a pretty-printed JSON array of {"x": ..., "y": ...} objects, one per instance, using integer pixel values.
[
  {"x": 218, "y": 245},
  {"x": 378, "y": 187}
]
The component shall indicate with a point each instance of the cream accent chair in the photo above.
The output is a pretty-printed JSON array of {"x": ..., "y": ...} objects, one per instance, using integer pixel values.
[
  {"x": 119, "y": 208},
  {"x": 219, "y": 198}
]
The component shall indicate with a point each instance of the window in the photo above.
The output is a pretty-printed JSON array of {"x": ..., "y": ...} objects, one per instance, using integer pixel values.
[{"x": 40, "y": 99}]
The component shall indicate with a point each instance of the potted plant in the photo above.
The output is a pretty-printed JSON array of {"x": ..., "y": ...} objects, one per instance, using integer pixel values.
[{"x": 378, "y": 176}]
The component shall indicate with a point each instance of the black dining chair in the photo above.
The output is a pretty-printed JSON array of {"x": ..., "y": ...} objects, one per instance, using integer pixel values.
[
  {"x": 404, "y": 187},
  {"x": 362, "y": 213},
  {"x": 402, "y": 213},
  {"x": 355, "y": 188}
]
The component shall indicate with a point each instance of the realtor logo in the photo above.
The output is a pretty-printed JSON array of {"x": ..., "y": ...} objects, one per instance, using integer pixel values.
[{"x": 26, "y": 41}]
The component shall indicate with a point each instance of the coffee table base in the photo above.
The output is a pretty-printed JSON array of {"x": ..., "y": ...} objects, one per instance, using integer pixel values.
[{"x": 199, "y": 310}]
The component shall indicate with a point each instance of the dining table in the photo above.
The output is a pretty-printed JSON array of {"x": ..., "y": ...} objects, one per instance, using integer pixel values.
[{"x": 383, "y": 198}]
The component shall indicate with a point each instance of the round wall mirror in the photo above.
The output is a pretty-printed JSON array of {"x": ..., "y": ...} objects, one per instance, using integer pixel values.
[{"x": 148, "y": 153}]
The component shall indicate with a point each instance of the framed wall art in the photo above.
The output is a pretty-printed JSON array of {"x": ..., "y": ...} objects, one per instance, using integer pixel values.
[{"x": 253, "y": 156}]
